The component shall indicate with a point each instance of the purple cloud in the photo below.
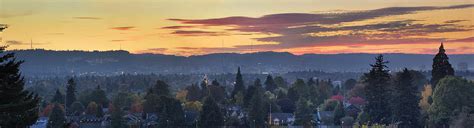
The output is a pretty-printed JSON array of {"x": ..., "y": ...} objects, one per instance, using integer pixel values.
[{"x": 297, "y": 30}]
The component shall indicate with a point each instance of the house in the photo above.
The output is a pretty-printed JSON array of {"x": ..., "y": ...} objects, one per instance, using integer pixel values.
[
  {"x": 40, "y": 123},
  {"x": 150, "y": 121},
  {"x": 352, "y": 110},
  {"x": 133, "y": 119},
  {"x": 190, "y": 117},
  {"x": 92, "y": 121},
  {"x": 235, "y": 111},
  {"x": 337, "y": 84},
  {"x": 281, "y": 119}
]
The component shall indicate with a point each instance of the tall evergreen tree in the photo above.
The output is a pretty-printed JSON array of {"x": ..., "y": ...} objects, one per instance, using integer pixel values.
[
  {"x": 98, "y": 96},
  {"x": 171, "y": 113},
  {"x": 377, "y": 92},
  {"x": 406, "y": 104},
  {"x": 217, "y": 91},
  {"x": 211, "y": 115},
  {"x": 303, "y": 114},
  {"x": 251, "y": 91},
  {"x": 339, "y": 113},
  {"x": 349, "y": 84},
  {"x": 280, "y": 82},
  {"x": 18, "y": 107},
  {"x": 194, "y": 93},
  {"x": 56, "y": 117},
  {"x": 257, "y": 106},
  {"x": 100, "y": 112},
  {"x": 239, "y": 84},
  {"x": 70, "y": 92},
  {"x": 298, "y": 89},
  {"x": 161, "y": 88},
  {"x": 270, "y": 85},
  {"x": 150, "y": 104},
  {"x": 441, "y": 67},
  {"x": 248, "y": 95},
  {"x": 116, "y": 117},
  {"x": 58, "y": 97}
]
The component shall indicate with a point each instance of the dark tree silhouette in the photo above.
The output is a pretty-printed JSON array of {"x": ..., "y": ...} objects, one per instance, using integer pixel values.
[
  {"x": 239, "y": 84},
  {"x": 194, "y": 93},
  {"x": 257, "y": 107},
  {"x": 270, "y": 84},
  {"x": 441, "y": 67},
  {"x": 406, "y": 101},
  {"x": 18, "y": 108},
  {"x": 211, "y": 116},
  {"x": 58, "y": 97},
  {"x": 57, "y": 118},
  {"x": 377, "y": 92},
  {"x": 70, "y": 92}
]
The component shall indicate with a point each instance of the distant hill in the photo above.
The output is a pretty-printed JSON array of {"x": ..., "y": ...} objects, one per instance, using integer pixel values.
[{"x": 46, "y": 62}]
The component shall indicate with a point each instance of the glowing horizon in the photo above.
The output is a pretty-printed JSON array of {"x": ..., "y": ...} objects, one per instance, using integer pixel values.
[{"x": 186, "y": 27}]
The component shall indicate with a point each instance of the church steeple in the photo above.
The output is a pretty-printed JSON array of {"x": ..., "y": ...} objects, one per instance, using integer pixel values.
[{"x": 441, "y": 48}]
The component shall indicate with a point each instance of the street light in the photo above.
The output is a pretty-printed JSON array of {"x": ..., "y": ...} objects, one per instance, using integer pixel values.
[
  {"x": 254, "y": 125},
  {"x": 196, "y": 123}
]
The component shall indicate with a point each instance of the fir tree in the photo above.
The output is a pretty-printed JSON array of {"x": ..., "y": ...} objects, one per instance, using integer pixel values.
[
  {"x": 116, "y": 117},
  {"x": 257, "y": 107},
  {"x": 194, "y": 93},
  {"x": 70, "y": 92},
  {"x": 270, "y": 84},
  {"x": 280, "y": 82},
  {"x": 303, "y": 114},
  {"x": 58, "y": 97},
  {"x": 250, "y": 92},
  {"x": 150, "y": 104},
  {"x": 441, "y": 67},
  {"x": 171, "y": 113},
  {"x": 406, "y": 104},
  {"x": 211, "y": 116},
  {"x": 324, "y": 91},
  {"x": 239, "y": 84},
  {"x": 339, "y": 113},
  {"x": 56, "y": 117},
  {"x": 100, "y": 112},
  {"x": 217, "y": 91},
  {"x": 161, "y": 88},
  {"x": 98, "y": 96},
  {"x": 377, "y": 92},
  {"x": 18, "y": 108}
]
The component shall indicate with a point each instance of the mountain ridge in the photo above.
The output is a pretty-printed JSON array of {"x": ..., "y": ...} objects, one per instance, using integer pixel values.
[{"x": 49, "y": 62}]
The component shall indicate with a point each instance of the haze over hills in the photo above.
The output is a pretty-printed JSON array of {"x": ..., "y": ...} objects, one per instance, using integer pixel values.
[{"x": 46, "y": 62}]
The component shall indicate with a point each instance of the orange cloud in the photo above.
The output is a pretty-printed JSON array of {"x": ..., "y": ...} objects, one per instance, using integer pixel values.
[{"x": 124, "y": 28}]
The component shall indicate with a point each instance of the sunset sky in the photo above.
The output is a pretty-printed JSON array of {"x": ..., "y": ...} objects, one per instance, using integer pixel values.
[{"x": 192, "y": 27}]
